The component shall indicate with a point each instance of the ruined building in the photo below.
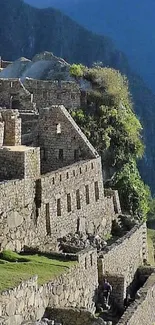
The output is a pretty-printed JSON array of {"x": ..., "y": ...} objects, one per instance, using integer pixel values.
[
  {"x": 59, "y": 182},
  {"x": 51, "y": 184}
]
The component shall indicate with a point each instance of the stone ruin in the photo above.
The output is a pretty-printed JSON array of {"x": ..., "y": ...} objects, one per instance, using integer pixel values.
[{"x": 61, "y": 203}]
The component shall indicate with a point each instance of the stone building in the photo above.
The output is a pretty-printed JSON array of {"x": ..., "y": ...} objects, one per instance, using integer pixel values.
[
  {"x": 54, "y": 187},
  {"x": 31, "y": 94}
]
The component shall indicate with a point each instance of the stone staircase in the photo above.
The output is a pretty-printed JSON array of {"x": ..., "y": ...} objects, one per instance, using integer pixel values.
[{"x": 110, "y": 316}]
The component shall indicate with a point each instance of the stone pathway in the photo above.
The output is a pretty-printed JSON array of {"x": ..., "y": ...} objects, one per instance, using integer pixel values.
[{"x": 110, "y": 316}]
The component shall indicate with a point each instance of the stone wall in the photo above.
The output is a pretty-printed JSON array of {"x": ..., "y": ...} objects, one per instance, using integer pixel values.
[
  {"x": 60, "y": 139},
  {"x": 112, "y": 207},
  {"x": 29, "y": 121},
  {"x": 18, "y": 162},
  {"x": 12, "y": 127},
  {"x": 32, "y": 163},
  {"x": 74, "y": 288},
  {"x": 44, "y": 209},
  {"x": 118, "y": 289},
  {"x": 1, "y": 131},
  {"x": 83, "y": 211},
  {"x": 47, "y": 93},
  {"x": 14, "y": 95},
  {"x": 72, "y": 316},
  {"x": 18, "y": 215},
  {"x": 12, "y": 164},
  {"x": 142, "y": 311},
  {"x": 125, "y": 255},
  {"x": 112, "y": 195}
]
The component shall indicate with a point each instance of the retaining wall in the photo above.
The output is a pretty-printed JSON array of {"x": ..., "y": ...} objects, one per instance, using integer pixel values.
[
  {"x": 142, "y": 311},
  {"x": 74, "y": 288},
  {"x": 124, "y": 256}
]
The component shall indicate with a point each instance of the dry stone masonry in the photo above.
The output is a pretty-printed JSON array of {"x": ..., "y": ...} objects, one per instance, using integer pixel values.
[
  {"x": 52, "y": 193},
  {"x": 76, "y": 288}
]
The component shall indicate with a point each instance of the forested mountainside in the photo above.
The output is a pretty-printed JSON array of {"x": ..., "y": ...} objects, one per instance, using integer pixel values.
[
  {"x": 129, "y": 23},
  {"x": 25, "y": 31}
]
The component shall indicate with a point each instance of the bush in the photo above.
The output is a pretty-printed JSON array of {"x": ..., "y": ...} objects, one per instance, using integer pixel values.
[
  {"x": 77, "y": 70},
  {"x": 112, "y": 127}
]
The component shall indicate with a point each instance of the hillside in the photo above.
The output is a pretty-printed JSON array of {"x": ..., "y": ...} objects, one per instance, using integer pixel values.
[
  {"x": 25, "y": 31},
  {"x": 107, "y": 18}
]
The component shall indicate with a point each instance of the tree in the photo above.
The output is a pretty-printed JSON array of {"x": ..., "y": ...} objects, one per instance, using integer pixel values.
[{"x": 112, "y": 127}]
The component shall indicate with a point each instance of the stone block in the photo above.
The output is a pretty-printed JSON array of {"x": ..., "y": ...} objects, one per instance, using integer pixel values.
[{"x": 14, "y": 219}]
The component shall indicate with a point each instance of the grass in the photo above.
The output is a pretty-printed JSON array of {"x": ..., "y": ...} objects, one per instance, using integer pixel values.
[
  {"x": 151, "y": 245},
  {"x": 15, "y": 268}
]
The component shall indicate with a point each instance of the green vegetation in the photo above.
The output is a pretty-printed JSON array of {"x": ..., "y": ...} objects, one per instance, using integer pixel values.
[
  {"x": 151, "y": 245},
  {"x": 151, "y": 214},
  {"x": 77, "y": 70},
  {"x": 15, "y": 268},
  {"x": 134, "y": 194},
  {"x": 112, "y": 127}
]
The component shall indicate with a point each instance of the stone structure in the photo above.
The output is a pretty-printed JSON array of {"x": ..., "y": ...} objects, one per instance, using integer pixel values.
[
  {"x": 14, "y": 95},
  {"x": 31, "y": 94},
  {"x": 61, "y": 141},
  {"x": 52, "y": 187},
  {"x": 122, "y": 259},
  {"x": 47, "y": 93},
  {"x": 66, "y": 199},
  {"x": 4, "y": 64},
  {"x": 142, "y": 311},
  {"x": 76, "y": 288},
  {"x": 72, "y": 316}
]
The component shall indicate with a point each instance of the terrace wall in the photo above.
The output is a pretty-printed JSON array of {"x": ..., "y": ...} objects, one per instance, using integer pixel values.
[{"x": 75, "y": 288}]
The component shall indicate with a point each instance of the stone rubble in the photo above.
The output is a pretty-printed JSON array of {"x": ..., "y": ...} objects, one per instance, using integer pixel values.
[
  {"x": 73, "y": 243},
  {"x": 44, "y": 321}
]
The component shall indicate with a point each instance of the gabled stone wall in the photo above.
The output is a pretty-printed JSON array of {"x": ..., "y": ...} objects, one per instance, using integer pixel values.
[{"x": 60, "y": 139}]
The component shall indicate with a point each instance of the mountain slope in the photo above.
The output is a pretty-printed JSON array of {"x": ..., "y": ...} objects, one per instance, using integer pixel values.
[
  {"x": 108, "y": 17},
  {"x": 25, "y": 31}
]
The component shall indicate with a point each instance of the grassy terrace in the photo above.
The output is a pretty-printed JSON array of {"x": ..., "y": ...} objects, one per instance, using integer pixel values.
[{"x": 15, "y": 268}]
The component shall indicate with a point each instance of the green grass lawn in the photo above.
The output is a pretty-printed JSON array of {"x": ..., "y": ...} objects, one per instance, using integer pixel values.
[
  {"x": 15, "y": 268},
  {"x": 151, "y": 245}
]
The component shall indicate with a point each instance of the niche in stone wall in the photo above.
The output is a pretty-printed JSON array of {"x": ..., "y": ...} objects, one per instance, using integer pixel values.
[
  {"x": 78, "y": 203},
  {"x": 48, "y": 224},
  {"x": 58, "y": 207},
  {"x": 76, "y": 154},
  {"x": 43, "y": 154},
  {"x": 96, "y": 191},
  {"x": 87, "y": 194},
  {"x": 61, "y": 155},
  {"x": 69, "y": 202}
]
